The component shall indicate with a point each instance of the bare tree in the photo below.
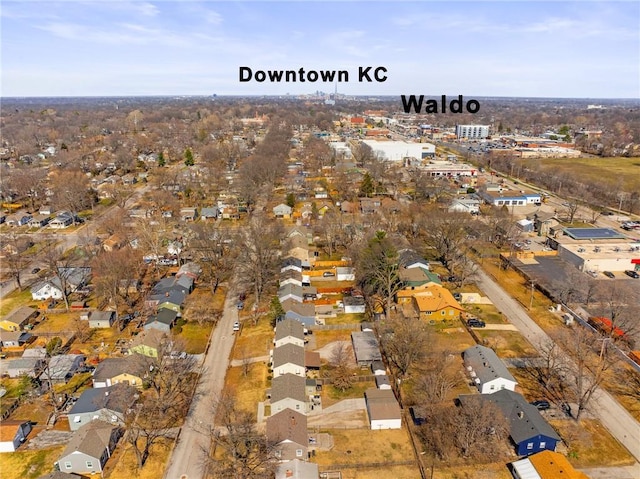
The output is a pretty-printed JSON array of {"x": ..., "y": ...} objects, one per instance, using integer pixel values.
[
  {"x": 476, "y": 426},
  {"x": 435, "y": 379},
  {"x": 341, "y": 359},
  {"x": 238, "y": 450},
  {"x": 14, "y": 246},
  {"x": 71, "y": 191},
  {"x": 212, "y": 248},
  {"x": 571, "y": 209},
  {"x": 405, "y": 343}
]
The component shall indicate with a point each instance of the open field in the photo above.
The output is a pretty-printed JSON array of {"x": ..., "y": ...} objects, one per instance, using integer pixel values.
[
  {"x": 616, "y": 172},
  {"x": 195, "y": 337},
  {"x": 253, "y": 340},
  {"x": 590, "y": 444},
  {"x": 24, "y": 464},
  {"x": 507, "y": 344},
  {"x": 248, "y": 390},
  {"x": 15, "y": 300}
]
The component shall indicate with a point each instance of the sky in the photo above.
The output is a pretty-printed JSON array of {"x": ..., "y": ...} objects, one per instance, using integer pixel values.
[{"x": 585, "y": 49}]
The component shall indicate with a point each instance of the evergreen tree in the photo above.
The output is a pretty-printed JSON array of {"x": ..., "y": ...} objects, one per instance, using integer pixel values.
[
  {"x": 367, "y": 187},
  {"x": 188, "y": 157}
]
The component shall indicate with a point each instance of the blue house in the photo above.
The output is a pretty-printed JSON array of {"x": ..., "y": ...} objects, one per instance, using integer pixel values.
[{"x": 527, "y": 428}]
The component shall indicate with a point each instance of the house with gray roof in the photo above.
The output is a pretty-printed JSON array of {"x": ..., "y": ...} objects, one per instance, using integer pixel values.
[
  {"x": 62, "y": 367},
  {"x": 14, "y": 339},
  {"x": 31, "y": 367},
  {"x": 105, "y": 404},
  {"x": 289, "y": 331},
  {"x": 282, "y": 211},
  {"x": 290, "y": 263},
  {"x": 102, "y": 319},
  {"x": 49, "y": 288},
  {"x": 163, "y": 321},
  {"x": 209, "y": 213},
  {"x": 487, "y": 370},
  {"x": 290, "y": 291},
  {"x": 383, "y": 409},
  {"x": 527, "y": 428},
  {"x": 128, "y": 370},
  {"x": 288, "y": 359},
  {"x": 291, "y": 277},
  {"x": 288, "y": 391},
  {"x": 17, "y": 319},
  {"x": 287, "y": 430},
  {"x": 90, "y": 448},
  {"x": 366, "y": 348}
]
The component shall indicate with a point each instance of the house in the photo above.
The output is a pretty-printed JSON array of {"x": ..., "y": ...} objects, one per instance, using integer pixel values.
[
  {"x": 288, "y": 392},
  {"x": 300, "y": 232},
  {"x": 24, "y": 366},
  {"x": 172, "y": 299},
  {"x": 128, "y": 370},
  {"x": 545, "y": 465},
  {"x": 290, "y": 263},
  {"x": 382, "y": 382},
  {"x": 62, "y": 367},
  {"x": 39, "y": 221},
  {"x": 312, "y": 361},
  {"x": 436, "y": 303},
  {"x": 408, "y": 258},
  {"x": 102, "y": 319},
  {"x": 309, "y": 293},
  {"x": 149, "y": 342},
  {"x": 188, "y": 214},
  {"x": 418, "y": 276},
  {"x": 288, "y": 359},
  {"x": 63, "y": 220},
  {"x": 354, "y": 304},
  {"x": 465, "y": 205},
  {"x": 90, "y": 448},
  {"x": 46, "y": 210},
  {"x": 14, "y": 339},
  {"x": 365, "y": 348},
  {"x": 290, "y": 291},
  {"x": 282, "y": 211},
  {"x": 304, "y": 313},
  {"x": 163, "y": 321},
  {"x": 369, "y": 206},
  {"x": 13, "y": 433},
  {"x": 105, "y": 404},
  {"x": 209, "y": 213},
  {"x": 543, "y": 222},
  {"x": 527, "y": 428},
  {"x": 383, "y": 409},
  {"x": 60, "y": 475},
  {"x": 348, "y": 207},
  {"x": 23, "y": 219},
  {"x": 113, "y": 243},
  {"x": 291, "y": 277},
  {"x": 18, "y": 318},
  {"x": 297, "y": 469},
  {"x": 130, "y": 286},
  {"x": 487, "y": 370},
  {"x": 289, "y": 331},
  {"x": 75, "y": 277},
  {"x": 47, "y": 289},
  {"x": 378, "y": 368},
  {"x": 287, "y": 430},
  {"x": 301, "y": 253},
  {"x": 191, "y": 269},
  {"x": 344, "y": 273}
]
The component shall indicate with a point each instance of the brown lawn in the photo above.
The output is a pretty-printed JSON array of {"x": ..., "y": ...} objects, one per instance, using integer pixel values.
[
  {"x": 248, "y": 390},
  {"x": 123, "y": 462},
  {"x": 24, "y": 464}
]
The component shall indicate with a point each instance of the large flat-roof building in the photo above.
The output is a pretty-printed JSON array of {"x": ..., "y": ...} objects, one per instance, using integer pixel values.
[
  {"x": 472, "y": 132},
  {"x": 399, "y": 150}
]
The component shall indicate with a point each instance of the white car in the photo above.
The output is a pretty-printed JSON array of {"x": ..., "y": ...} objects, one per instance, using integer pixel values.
[{"x": 236, "y": 326}]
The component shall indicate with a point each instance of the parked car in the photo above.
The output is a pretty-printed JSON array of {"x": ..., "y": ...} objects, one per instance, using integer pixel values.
[
  {"x": 236, "y": 326},
  {"x": 633, "y": 274},
  {"x": 457, "y": 296},
  {"x": 541, "y": 405},
  {"x": 609, "y": 274},
  {"x": 476, "y": 323},
  {"x": 35, "y": 270},
  {"x": 328, "y": 274},
  {"x": 240, "y": 305}
]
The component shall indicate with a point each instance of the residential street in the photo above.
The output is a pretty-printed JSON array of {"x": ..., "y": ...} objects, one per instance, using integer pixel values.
[
  {"x": 187, "y": 457},
  {"x": 614, "y": 417}
]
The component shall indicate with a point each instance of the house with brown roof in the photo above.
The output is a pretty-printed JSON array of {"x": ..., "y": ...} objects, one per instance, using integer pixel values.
[
  {"x": 288, "y": 359},
  {"x": 129, "y": 370},
  {"x": 289, "y": 331},
  {"x": 287, "y": 430},
  {"x": 90, "y": 448},
  {"x": 288, "y": 392},
  {"x": 383, "y": 409},
  {"x": 436, "y": 303}
]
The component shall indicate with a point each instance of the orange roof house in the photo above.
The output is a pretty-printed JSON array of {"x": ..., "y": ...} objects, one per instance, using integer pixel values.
[
  {"x": 436, "y": 303},
  {"x": 547, "y": 465}
]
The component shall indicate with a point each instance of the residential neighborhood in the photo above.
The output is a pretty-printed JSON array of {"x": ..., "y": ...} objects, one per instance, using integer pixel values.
[{"x": 352, "y": 293}]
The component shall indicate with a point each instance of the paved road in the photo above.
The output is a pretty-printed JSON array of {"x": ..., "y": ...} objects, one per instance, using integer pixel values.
[
  {"x": 614, "y": 417},
  {"x": 187, "y": 457}
]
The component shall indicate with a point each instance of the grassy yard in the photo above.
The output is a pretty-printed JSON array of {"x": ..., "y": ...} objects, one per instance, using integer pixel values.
[
  {"x": 590, "y": 444},
  {"x": 15, "y": 300},
  {"x": 487, "y": 312},
  {"x": 254, "y": 340},
  {"x": 123, "y": 462},
  {"x": 195, "y": 336},
  {"x": 346, "y": 318},
  {"x": 325, "y": 337},
  {"x": 28, "y": 464},
  {"x": 331, "y": 395},
  {"x": 487, "y": 471},
  {"x": 507, "y": 344},
  {"x": 362, "y": 446},
  {"x": 249, "y": 389}
]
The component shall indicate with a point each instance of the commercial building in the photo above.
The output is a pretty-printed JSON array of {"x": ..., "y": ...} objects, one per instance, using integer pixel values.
[
  {"x": 472, "y": 132},
  {"x": 400, "y": 150}
]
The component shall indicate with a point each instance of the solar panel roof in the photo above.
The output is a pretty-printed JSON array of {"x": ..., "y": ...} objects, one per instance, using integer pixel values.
[{"x": 593, "y": 233}]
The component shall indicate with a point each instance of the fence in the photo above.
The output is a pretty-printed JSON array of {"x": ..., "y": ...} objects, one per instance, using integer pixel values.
[
  {"x": 328, "y": 327},
  {"x": 363, "y": 465}
]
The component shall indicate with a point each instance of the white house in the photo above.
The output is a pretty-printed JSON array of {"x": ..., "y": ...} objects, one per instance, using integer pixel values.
[
  {"x": 288, "y": 391},
  {"x": 43, "y": 290},
  {"x": 345, "y": 273},
  {"x": 465, "y": 205},
  {"x": 289, "y": 331},
  {"x": 383, "y": 409},
  {"x": 288, "y": 359},
  {"x": 282, "y": 211},
  {"x": 488, "y": 372}
]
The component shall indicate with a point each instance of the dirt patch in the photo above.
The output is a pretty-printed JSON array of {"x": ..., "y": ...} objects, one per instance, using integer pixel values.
[{"x": 48, "y": 438}]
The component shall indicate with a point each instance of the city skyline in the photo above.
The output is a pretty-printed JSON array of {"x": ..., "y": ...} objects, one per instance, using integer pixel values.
[{"x": 500, "y": 49}]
